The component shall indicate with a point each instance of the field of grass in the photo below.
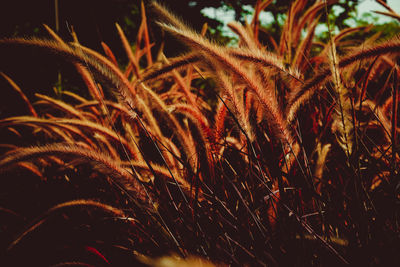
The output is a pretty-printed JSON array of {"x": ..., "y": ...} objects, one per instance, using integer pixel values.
[{"x": 275, "y": 153}]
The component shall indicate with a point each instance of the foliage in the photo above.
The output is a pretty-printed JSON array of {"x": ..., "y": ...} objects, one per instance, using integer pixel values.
[{"x": 239, "y": 155}]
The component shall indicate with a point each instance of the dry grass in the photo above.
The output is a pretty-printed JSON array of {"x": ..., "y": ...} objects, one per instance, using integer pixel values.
[{"x": 292, "y": 161}]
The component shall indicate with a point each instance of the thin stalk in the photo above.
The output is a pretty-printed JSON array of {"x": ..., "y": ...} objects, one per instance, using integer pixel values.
[{"x": 394, "y": 123}]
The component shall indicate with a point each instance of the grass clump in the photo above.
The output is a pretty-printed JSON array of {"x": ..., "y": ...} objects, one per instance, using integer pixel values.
[{"x": 292, "y": 160}]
